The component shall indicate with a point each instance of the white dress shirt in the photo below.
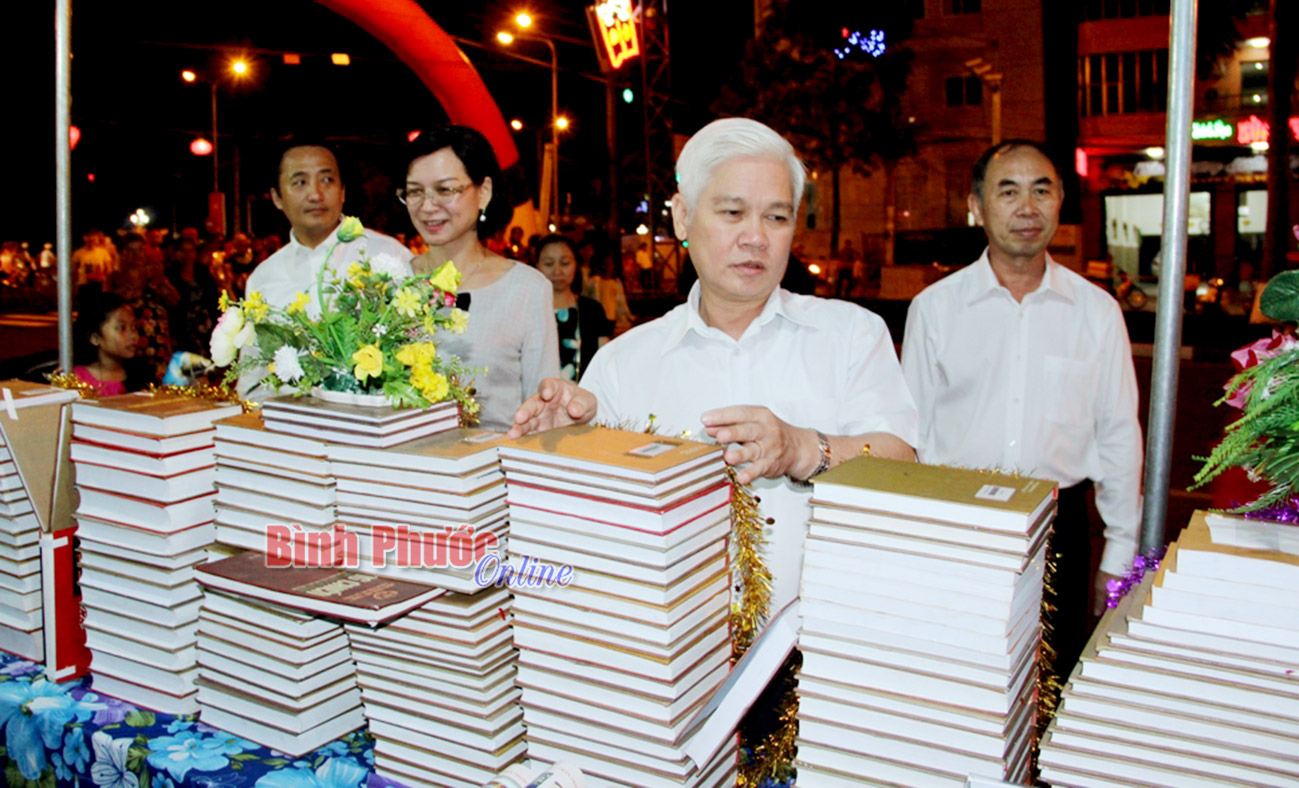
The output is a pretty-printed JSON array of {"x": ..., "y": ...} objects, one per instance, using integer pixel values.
[
  {"x": 828, "y": 365},
  {"x": 1044, "y": 386},
  {"x": 292, "y": 268}
]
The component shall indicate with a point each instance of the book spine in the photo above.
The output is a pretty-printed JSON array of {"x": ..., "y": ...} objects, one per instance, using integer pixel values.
[{"x": 66, "y": 655}]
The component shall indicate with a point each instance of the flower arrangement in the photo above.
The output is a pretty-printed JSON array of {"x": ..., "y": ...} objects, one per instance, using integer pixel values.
[
  {"x": 1265, "y": 439},
  {"x": 374, "y": 333}
]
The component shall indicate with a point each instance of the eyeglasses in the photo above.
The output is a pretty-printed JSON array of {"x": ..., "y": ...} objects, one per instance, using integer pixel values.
[{"x": 440, "y": 195}]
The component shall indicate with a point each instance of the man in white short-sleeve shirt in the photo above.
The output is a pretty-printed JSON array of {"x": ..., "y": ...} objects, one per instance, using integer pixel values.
[
  {"x": 1018, "y": 363},
  {"x": 793, "y": 384},
  {"x": 309, "y": 190}
]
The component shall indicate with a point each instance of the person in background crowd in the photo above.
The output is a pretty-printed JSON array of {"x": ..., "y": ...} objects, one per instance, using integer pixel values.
[
  {"x": 95, "y": 260},
  {"x": 106, "y": 343},
  {"x": 1019, "y": 364},
  {"x": 583, "y": 327},
  {"x": 454, "y": 192},
  {"x": 309, "y": 191},
  {"x": 144, "y": 285},
  {"x": 195, "y": 313}
]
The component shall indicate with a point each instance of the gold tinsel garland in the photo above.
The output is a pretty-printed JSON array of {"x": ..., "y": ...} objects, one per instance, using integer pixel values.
[
  {"x": 1049, "y": 683},
  {"x": 211, "y": 393},
  {"x": 750, "y": 574}
]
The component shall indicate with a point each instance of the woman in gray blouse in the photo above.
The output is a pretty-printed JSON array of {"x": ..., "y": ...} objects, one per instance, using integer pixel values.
[{"x": 454, "y": 192}]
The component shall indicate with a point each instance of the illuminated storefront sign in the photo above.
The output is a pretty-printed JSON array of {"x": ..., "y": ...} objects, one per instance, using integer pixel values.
[
  {"x": 615, "y": 28},
  {"x": 1252, "y": 130},
  {"x": 1216, "y": 129}
]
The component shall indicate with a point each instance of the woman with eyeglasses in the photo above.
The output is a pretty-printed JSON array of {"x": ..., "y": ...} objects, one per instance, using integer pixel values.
[{"x": 454, "y": 192}]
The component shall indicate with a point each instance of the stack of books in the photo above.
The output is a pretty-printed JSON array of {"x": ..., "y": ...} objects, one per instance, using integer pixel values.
[
  {"x": 1191, "y": 679},
  {"x": 921, "y": 603},
  {"x": 145, "y": 473},
  {"x": 266, "y": 477},
  {"x": 439, "y": 691},
  {"x": 357, "y": 425},
  {"x": 271, "y": 671},
  {"x": 274, "y": 675},
  {"x": 424, "y": 511},
  {"x": 20, "y": 564},
  {"x": 619, "y": 567}
]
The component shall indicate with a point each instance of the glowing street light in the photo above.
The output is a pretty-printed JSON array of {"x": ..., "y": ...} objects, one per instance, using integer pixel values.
[
  {"x": 240, "y": 67},
  {"x": 516, "y": 124},
  {"x": 561, "y": 123},
  {"x": 523, "y": 19},
  {"x": 505, "y": 38},
  {"x": 188, "y": 75}
]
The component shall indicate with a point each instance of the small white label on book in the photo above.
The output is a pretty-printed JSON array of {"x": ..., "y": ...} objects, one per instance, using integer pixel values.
[
  {"x": 993, "y": 492},
  {"x": 483, "y": 437},
  {"x": 32, "y": 392},
  {"x": 653, "y": 449}
]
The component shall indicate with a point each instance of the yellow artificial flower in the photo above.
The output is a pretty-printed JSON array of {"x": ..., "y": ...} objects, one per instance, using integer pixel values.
[
  {"x": 369, "y": 362},
  {"x": 223, "y": 303},
  {"x": 433, "y": 385},
  {"x": 354, "y": 273},
  {"x": 255, "y": 306},
  {"x": 447, "y": 277},
  {"x": 459, "y": 321},
  {"x": 270, "y": 368},
  {"x": 299, "y": 304},
  {"x": 407, "y": 302},
  {"x": 350, "y": 229},
  {"x": 417, "y": 354}
]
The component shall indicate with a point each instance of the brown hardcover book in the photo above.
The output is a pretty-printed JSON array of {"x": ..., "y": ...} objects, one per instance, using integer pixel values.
[
  {"x": 161, "y": 415},
  {"x": 632, "y": 455},
  {"x": 939, "y": 493},
  {"x": 341, "y": 593}
]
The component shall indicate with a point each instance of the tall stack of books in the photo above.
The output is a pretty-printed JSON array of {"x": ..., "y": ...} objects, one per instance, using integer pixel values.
[
  {"x": 357, "y": 425},
  {"x": 921, "y": 604},
  {"x": 145, "y": 473},
  {"x": 424, "y": 510},
  {"x": 270, "y": 670},
  {"x": 1191, "y": 679},
  {"x": 614, "y": 662},
  {"x": 20, "y": 565},
  {"x": 266, "y": 477},
  {"x": 439, "y": 691}
]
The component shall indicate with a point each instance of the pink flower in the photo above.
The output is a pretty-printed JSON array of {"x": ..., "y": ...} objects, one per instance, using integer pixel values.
[
  {"x": 448, "y": 299},
  {"x": 1252, "y": 355}
]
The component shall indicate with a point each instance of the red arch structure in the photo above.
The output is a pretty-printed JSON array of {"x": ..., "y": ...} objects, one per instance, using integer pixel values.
[{"x": 418, "y": 42}]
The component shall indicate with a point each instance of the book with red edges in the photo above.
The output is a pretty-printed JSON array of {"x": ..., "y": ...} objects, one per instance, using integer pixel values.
[{"x": 341, "y": 593}]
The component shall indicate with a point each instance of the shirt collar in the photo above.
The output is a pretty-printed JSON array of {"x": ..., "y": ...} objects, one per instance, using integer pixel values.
[
  {"x": 779, "y": 304},
  {"x": 984, "y": 282},
  {"x": 301, "y": 247}
]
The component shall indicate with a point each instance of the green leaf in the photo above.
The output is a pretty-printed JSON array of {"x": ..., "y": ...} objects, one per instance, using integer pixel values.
[
  {"x": 275, "y": 763},
  {"x": 46, "y": 779},
  {"x": 242, "y": 756},
  {"x": 1280, "y": 299},
  {"x": 144, "y": 778},
  {"x": 13, "y": 777},
  {"x": 140, "y": 719}
]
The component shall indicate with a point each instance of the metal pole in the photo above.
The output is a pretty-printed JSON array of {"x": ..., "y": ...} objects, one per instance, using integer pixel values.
[
  {"x": 216, "y": 186},
  {"x": 554, "y": 125},
  {"x": 1168, "y": 321},
  {"x": 63, "y": 167}
]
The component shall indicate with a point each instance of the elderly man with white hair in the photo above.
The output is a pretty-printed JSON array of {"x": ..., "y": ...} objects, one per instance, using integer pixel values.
[{"x": 792, "y": 384}]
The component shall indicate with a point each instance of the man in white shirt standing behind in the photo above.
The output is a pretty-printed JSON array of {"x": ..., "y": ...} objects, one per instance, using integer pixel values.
[
  {"x": 309, "y": 190},
  {"x": 1019, "y": 364}
]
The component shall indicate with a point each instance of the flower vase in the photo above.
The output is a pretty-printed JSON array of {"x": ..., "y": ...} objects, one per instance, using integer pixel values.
[{"x": 350, "y": 398}]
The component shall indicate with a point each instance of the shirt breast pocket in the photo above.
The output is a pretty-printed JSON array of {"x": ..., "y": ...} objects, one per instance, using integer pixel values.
[{"x": 1067, "y": 391}]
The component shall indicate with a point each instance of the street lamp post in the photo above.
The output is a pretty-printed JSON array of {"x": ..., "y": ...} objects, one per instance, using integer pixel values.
[
  {"x": 508, "y": 38},
  {"x": 239, "y": 68}
]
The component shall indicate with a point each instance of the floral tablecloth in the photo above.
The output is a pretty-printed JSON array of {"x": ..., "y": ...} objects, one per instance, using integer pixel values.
[{"x": 69, "y": 735}]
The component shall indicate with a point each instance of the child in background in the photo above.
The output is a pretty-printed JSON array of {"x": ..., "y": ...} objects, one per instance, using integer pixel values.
[{"x": 107, "y": 341}]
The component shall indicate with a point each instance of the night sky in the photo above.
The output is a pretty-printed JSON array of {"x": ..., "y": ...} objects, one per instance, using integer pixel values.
[{"x": 138, "y": 118}]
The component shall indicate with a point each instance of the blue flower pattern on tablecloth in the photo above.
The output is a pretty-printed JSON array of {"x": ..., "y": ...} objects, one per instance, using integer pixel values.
[{"x": 66, "y": 735}]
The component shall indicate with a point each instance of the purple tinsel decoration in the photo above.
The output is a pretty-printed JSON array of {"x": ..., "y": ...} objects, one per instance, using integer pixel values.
[
  {"x": 1119, "y": 587},
  {"x": 1284, "y": 512}
]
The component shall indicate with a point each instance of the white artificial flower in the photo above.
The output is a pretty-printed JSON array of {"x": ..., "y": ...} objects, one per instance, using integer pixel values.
[
  {"x": 387, "y": 264},
  {"x": 288, "y": 366},
  {"x": 110, "y": 769},
  {"x": 232, "y": 332}
]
